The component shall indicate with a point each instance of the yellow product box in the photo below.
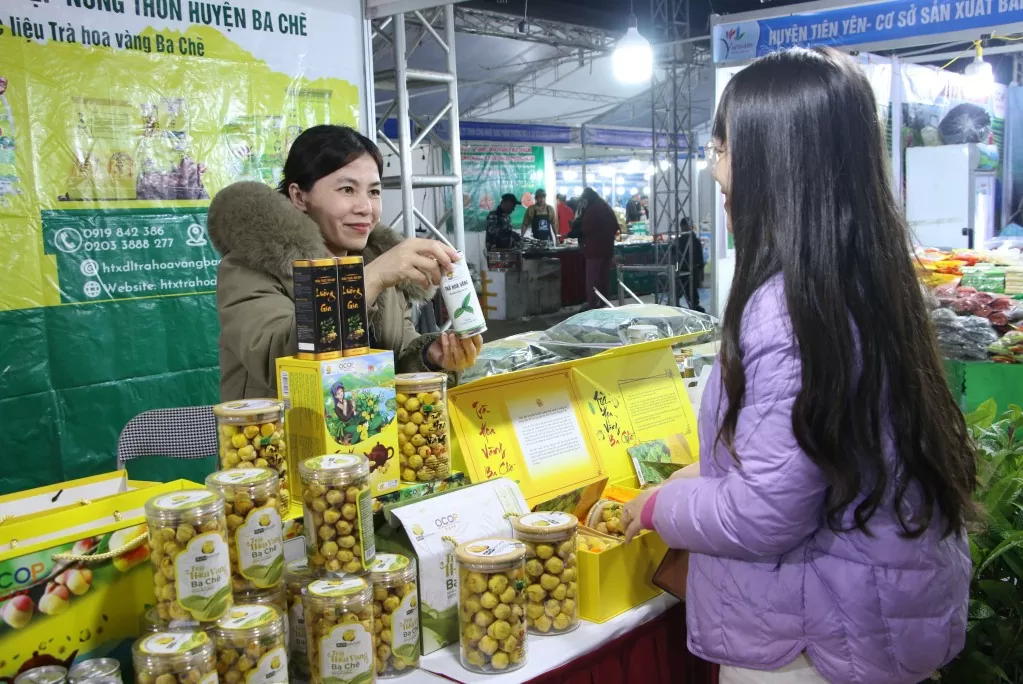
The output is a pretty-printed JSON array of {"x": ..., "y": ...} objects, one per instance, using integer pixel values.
[
  {"x": 564, "y": 434},
  {"x": 342, "y": 406},
  {"x": 620, "y": 576},
  {"x": 72, "y": 588}
]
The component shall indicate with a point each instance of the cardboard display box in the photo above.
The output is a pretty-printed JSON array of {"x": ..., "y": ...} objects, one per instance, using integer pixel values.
[{"x": 342, "y": 406}]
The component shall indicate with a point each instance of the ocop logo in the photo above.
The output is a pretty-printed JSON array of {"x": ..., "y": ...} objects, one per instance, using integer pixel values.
[{"x": 446, "y": 520}]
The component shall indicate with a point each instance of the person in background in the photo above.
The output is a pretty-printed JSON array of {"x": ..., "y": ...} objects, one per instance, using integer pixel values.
[
  {"x": 826, "y": 520},
  {"x": 633, "y": 209},
  {"x": 644, "y": 207},
  {"x": 598, "y": 227},
  {"x": 692, "y": 270},
  {"x": 327, "y": 204},
  {"x": 541, "y": 218},
  {"x": 565, "y": 216},
  {"x": 500, "y": 234}
]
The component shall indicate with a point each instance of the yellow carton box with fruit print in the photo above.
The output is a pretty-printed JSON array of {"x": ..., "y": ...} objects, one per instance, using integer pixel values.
[
  {"x": 342, "y": 406},
  {"x": 72, "y": 587}
]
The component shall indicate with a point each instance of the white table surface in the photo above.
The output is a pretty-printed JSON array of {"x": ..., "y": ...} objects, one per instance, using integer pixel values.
[{"x": 545, "y": 653}]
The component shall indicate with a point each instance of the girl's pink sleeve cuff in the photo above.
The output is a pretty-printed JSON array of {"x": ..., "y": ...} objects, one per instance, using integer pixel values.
[{"x": 646, "y": 517}]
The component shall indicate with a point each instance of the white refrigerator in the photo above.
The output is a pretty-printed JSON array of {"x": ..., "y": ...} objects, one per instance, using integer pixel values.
[{"x": 950, "y": 195}]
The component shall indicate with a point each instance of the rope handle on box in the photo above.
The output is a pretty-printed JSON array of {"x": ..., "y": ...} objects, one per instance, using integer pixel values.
[{"x": 131, "y": 544}]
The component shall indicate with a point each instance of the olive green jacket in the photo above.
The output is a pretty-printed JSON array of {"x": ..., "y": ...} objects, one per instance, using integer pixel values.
[{"x": 259, "y": 233}]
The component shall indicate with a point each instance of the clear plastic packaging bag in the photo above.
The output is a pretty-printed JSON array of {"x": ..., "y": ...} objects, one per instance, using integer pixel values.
[
  {"x": 963, "y": 337},
  {"x": 597, "y": 330},
  {"x": 514, "y": 353}
]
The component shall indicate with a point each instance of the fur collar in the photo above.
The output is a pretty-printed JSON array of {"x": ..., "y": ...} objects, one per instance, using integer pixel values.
[{"x": 262, "y": 229}]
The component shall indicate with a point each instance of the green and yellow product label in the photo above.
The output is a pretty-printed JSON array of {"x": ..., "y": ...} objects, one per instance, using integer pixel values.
[
  {"x": 337, "y": 588},
  {"x": 389, "y": 562},
  {"x": 242, "y": 476},
  {"x": 248, "y": 616},
  {"x": 180, "y": 501},
  {"x": 202, "y": 575},
  {"x": 260, "y": 545},
  {"x": 346, "y": 656},
  {"x": 333, "y": 461},
  {"x": 272, "y": 668},
  {"x": 367, "y": 540},
  {"x": 405, "y": 630},
  {"x": 173, "y": 643}
]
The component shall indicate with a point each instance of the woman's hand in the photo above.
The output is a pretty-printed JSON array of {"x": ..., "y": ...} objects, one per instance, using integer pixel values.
[
  {"x": 423, "y": 262},
  {"x": 452, "y": 353},
  {"x": 632, "y": 514}
]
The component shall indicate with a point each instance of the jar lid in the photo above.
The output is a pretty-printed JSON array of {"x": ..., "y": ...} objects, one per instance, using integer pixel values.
[
  {"x": 417, "y": 379},
  {"x": 256, "y": 410},
  {"x": 487, "y": 552},
  {"x": 196, "y": 502},
  {"x": 47, "y": 674},
  {"x": 91, "y": 669},
  {"x": 173, "y": 643},
  {"x": 547, "y": 523},
  {"x": 314, "y": 262},
  {"x": 298, "y": 570},
  {"x": 392, "y": 567},
  {"x": 251, "y": 619},
  {"x": 240, "y": 477},
  {"x": 346, "y": 260},
  {"x": 151, "y": 623},
  {"x": 337, "y": 588},
  {"x": 350, "y": 466},
  {"x": 269, "y": 596}
]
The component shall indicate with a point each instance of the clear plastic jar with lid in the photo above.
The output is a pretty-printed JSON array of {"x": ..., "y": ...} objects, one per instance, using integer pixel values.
[
  {"x": 274, "y": 596},
  {"x": 423, "y": 439},
  {"x": 297, "y": 576},
  {"x": 251, "y": 434},
  {"x": 187, "y": 535},
  {"x": 175, "y": 658},
  {"x": 491, "y": 605},
  {"x": 254, "y": 526},
  {"x": 396, "y": 614},
  {"x": 251, "y": 646},
  {"x": 339, "y": 630},
  {"x": 552, "y": 573},
  {"x": 338, "y": 513},
  {"x": 151, "y": 623},
  {"x": 89, "y": 670}
]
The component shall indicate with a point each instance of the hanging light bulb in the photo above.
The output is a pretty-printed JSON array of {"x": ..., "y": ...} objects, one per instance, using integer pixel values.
[
  {"x": 633, "y": 166},
  {"x": 570, "y": 175},
  {"x": 980, "y": 76},
  {"x": 633, "y": 59}
]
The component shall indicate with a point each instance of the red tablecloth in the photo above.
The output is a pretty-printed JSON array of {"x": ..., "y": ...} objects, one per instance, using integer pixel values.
[{"x": 654, "y": 653}]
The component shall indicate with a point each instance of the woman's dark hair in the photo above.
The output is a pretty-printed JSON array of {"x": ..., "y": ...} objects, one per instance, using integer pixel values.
[
  {"x": 590, "y": 196},
  {"x": 320, "y": 151},
  {"x": 810, "y": 199}
]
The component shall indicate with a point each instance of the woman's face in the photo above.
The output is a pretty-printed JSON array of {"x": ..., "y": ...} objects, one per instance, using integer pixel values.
[
  {"x": 345, "y": 204},
  {"x": 721, "y": 170}
]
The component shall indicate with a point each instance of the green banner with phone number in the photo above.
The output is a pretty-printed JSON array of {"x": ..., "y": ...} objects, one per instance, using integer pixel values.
[{"x": 118, "y": 122}]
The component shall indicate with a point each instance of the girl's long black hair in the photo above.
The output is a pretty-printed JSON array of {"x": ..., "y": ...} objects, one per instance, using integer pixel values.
[{"x": 811, "y": 199}]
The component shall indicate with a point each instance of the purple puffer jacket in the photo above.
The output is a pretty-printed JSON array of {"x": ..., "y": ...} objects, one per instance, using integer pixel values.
[{"x": 767, "y": 578}]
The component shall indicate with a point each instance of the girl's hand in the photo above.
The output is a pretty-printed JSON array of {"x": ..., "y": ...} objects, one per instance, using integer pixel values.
[
  {"x": 452, "y": 353},
  {"x": 632, "y": 514},
  {"x": 423, "y": 262}
]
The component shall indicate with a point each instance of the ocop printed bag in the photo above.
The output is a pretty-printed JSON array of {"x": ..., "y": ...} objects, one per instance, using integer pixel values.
[{"x": 73, "y": 583}]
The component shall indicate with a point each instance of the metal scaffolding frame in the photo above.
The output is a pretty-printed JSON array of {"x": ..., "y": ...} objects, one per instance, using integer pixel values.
[
  {"x": 436, "y": 24},
  {"x": 671, "y": 134}
]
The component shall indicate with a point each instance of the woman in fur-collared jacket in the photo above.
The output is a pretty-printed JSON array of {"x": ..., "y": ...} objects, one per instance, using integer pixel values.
[{"x": 328, "y": 204}]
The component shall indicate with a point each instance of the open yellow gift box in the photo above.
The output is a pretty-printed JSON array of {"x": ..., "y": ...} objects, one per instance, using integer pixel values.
[{"x": 563, "y": 434}]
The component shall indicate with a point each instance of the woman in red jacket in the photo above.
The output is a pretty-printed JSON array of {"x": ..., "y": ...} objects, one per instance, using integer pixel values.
[{"x": 599, "y": 225}]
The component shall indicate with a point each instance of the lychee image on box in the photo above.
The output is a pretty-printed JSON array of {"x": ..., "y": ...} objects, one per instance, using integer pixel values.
[
  {"x": 58, "y": 612},
  {"x": 343, "y": 406}
]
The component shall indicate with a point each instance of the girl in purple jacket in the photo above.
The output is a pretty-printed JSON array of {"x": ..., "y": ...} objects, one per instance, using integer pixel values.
[{"x": 826, "y": 521}]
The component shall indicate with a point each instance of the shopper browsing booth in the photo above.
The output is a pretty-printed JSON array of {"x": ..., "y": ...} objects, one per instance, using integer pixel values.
[
  {"x": 827, "y": 521},
  {"x": 328, "y": 204}
]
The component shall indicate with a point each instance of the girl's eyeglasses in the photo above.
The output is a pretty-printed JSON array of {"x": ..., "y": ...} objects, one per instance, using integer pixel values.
[{"x": 713, "y": 154}]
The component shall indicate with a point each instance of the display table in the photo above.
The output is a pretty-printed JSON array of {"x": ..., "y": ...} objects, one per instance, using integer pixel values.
[
  {"x": 634, "y": 255},
  {"x": 646, "y": 644}
]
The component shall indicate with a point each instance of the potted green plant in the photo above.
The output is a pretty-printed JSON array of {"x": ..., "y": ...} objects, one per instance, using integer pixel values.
[{"x": 994, "y": 636}]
